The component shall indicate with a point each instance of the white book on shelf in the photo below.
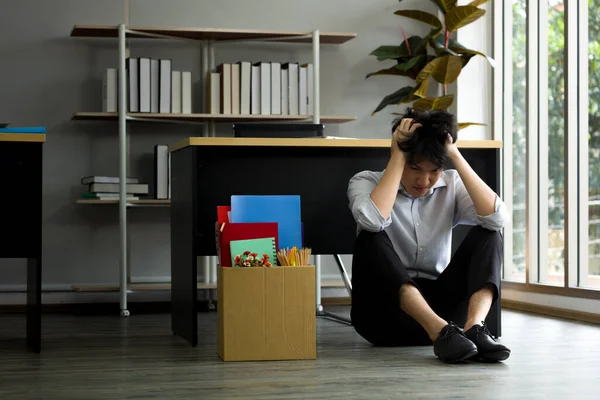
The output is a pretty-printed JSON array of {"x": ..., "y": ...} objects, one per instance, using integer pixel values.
[
  {"x": 176, "y": 92},
  {"x": 186, "y": 92},
  {"x": 285, "y": 90},
  {"x": 169, "y": 166},
  {"x": 265, "y": 87},
  {"x": 214, "y": 93},
  {"x": 161, "y": 171},
  {"x": 133, "y": 81},
  {"x": 154, "y": 85},
  {"x": 225, "y": 71},
  {"x": 144, "y": 85},
  {"x": 275, "y": 88},
  {"x": 255, "y": 102},
  {"x": 110, "y": 90},
  {"x": 293, "y": 82},
  {"x": 164, "y": 92},
  {"x": 302, "y": 95},
  {"x": 245, "y": 87},
  {"x": 310, "y": 76},
  {"x": 235, "y": 89}
]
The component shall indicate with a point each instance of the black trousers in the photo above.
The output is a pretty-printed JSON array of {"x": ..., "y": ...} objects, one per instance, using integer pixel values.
[{"x": 378, "y": 274}]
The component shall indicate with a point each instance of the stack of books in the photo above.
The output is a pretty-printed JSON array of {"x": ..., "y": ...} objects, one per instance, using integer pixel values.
[
  {"x": 107, "y": 188},
  {"x": 152, "y": 87},
  {"x": 262, "y": 88}
]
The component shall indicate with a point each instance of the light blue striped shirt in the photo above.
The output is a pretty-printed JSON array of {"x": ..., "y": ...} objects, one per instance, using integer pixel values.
[{"x": 421, "y": 228}]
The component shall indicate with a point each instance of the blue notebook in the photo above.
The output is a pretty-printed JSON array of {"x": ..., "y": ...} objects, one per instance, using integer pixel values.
[
  {"x": 283, "y": 209},
  {"x": 23, "y": 129}
]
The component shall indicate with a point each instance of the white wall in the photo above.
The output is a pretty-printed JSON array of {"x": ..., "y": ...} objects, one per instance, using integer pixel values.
[
  {"x": 47, "y": 76},
  {"x": 475, "y": 83}
]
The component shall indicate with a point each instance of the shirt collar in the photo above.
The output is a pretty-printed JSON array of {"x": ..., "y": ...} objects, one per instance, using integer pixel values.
[{"x": 440, "y": 183}]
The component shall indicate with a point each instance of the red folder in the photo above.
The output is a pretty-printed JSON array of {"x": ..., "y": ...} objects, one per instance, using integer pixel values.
[
  {"x": 241, "y": 231},
  {"x": 222, "y": 214}
]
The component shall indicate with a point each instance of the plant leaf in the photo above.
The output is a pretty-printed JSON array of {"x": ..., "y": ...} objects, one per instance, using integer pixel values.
[
  {"x": 421, "y": 90},
  {"x": 438, "y": 45},
  {"x": 462, "y": 125},
  {"x": 387, "y": 53},
  {"x": 399, "y": 96},
  {"x": 434, "y": 103},
  {"x": 406, "y": 65},
  {"x": 466, "y": 58},
  {"x": 417, "y": 44},
  {"x": 444, "y": 5},
  {"x": 458, "y": 48},
  {"x": 477, "y": 3},
  {"x": 421, "y": 16},
  {"x": 392, "y": 71},
  {"x": 445, "y": 69},
  {"x": 462, "y": 15}
]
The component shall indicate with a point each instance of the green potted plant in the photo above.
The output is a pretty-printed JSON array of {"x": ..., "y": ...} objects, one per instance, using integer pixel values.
[{"x": 443, "y": 63}]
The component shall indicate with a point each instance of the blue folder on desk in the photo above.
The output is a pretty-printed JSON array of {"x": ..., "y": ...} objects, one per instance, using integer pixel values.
[
  {"x": 24, "y": 129},
  {"x": 283, "y": 209}
]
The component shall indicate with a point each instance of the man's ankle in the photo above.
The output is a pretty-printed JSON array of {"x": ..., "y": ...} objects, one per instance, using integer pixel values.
[
  {"x": 469, "y": 324},
  {"x": 435, "y": 328}
]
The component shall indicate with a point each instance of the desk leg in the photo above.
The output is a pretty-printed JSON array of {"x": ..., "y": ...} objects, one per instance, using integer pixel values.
[
  {"x": 320, "y": 311},
  {"x": 184, "y": 264},
  {"x": 34, "y": 303}
]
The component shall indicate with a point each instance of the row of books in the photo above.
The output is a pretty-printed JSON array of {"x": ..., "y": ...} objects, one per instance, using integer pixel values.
[
  {"x": 152, "y": 87},
  {"x": 264, "y": 88},
  {"x": 108, "y": 188}
]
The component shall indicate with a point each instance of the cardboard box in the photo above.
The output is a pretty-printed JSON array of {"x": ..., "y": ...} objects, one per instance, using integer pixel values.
[{"x": 266, "y": 313}]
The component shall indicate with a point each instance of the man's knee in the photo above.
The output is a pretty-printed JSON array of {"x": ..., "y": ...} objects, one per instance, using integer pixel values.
[
  {"x": 480, "y": 234},
  {"x": 368, "y": 241}
]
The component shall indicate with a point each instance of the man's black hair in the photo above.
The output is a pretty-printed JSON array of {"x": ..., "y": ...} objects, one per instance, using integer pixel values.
[{"x": 428, "y": 141}]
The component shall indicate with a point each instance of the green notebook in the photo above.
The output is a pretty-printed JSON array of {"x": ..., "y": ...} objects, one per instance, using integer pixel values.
[{"x": 258, "y": 246}]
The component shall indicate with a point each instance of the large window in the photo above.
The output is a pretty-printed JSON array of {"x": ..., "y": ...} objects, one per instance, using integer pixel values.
[
  {"x": 553, "y": 272},
  {"x": 593, "y": 127},
  {"x": 515, "y": 271},
  {"x": 554, "y": 127}
]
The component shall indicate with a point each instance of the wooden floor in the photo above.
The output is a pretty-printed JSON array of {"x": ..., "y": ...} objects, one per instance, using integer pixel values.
[{"x": 112, "y": 358}]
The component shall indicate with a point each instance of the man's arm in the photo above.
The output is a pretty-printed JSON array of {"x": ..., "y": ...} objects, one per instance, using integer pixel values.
[
  {"x": 384, "y": 194},
  {"x": 484, "y": 198}
]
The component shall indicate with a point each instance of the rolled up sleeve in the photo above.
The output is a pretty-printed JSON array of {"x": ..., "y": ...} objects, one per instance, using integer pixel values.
[
  {"x": 465, "y": 211},
  {"x": 365, "y": 212}
]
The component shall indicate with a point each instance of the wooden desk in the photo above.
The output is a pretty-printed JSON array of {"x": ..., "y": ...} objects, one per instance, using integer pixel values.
[
  {"x": 207, "y": 171},
  {"x": 21, "y": 206}
]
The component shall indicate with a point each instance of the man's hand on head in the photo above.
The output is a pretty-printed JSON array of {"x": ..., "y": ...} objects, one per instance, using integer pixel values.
[
  {"x": 404, "y": 131},
  {"x": 451, "y": 148}
]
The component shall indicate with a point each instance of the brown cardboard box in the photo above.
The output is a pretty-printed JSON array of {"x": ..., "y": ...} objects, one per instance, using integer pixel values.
[{"x": 266, "y": 313}]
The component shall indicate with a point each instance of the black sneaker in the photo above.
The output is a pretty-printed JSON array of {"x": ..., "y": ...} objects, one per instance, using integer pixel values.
[
  {"x": 452, "y": 345},
  {"x": 487, "y": 348}
]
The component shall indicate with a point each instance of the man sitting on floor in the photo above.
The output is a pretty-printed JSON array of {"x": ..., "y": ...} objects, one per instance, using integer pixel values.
[{"x": 406, "y": 289}]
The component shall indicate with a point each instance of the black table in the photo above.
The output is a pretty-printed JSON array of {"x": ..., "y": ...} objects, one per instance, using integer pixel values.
[
  {"x": 21, "y": 205},
  {"x": 207, "y": 171}
]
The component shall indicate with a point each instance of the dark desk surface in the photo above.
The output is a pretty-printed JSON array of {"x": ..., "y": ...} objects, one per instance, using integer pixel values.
[{"x": 311, "y": 142}]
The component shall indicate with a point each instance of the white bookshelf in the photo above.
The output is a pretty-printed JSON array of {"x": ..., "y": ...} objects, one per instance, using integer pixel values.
[{"x": 207, "y": 38}]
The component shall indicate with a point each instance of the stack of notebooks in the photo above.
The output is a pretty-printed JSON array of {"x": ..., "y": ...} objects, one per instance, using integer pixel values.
[
  {"x": 255, "y": 226},
  {"x": 152, "y": 87},
  {"x": 107, "y": 188}
]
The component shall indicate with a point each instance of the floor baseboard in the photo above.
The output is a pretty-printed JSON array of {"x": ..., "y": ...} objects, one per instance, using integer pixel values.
[{"x": 549, "y": 311}]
